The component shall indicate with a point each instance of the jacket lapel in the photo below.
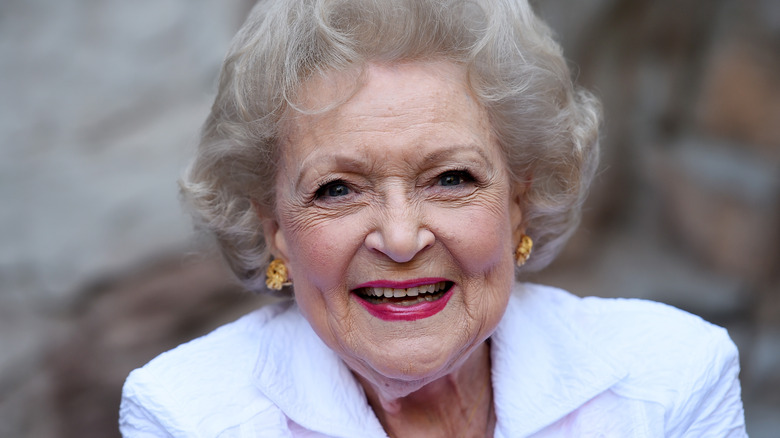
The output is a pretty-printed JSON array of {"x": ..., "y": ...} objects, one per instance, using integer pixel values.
[
  {"x": 543, "y": 368},
  {"x": 309, "y": 382}
]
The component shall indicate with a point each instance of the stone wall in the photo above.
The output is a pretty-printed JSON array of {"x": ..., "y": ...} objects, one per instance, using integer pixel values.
[{"x": 100, "y": 105}]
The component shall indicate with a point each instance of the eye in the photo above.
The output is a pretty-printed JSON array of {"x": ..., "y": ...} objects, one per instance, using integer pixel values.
[
  {"x": 333, "y": 189},
  {"x": 455, "y": 178}
]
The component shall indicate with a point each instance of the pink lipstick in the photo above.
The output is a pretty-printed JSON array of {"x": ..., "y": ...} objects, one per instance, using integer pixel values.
[{"x": 409, "y": 300}]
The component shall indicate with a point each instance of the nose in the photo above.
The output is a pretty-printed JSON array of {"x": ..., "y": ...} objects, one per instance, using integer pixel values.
[{"x": 400, "y": 233}]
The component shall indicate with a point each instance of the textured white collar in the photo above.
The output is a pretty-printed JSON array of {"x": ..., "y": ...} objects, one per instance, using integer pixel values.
[
  {"x": 542, "y": 369},
  {"x": 310, "y": 383}
]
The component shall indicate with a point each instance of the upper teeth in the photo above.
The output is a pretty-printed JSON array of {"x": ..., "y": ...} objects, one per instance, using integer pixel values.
[{"x": 389, "y": 292}]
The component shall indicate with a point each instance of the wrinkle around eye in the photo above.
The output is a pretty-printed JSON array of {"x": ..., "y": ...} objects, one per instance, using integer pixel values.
[
  {"x": 453, "y": 198},
  {"x": 310, "y": 215},
  {"x": 337, "y": 206},
  {"x": 468, "y": 193}
]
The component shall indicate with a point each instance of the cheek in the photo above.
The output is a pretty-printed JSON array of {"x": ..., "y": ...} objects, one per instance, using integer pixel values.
[
  {"x": 481, "y": 239},
  {"x": 320, "y": 253},
  {"x": 314, "y": 269}
]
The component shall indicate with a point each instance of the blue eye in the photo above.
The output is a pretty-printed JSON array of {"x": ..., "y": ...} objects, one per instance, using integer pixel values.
[
  {"x": 333, "y": 189},
  {"x": 454, "y": 178}
]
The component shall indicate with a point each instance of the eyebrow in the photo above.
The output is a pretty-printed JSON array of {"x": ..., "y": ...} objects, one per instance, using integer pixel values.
[
  {"x": 340, "y": 160},
  {"x": 349, "y": 162},
  {"x": 441, "y": 154}
]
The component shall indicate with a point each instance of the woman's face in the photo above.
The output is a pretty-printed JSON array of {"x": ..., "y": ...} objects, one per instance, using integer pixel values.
[{"x": 403, "y": 192}]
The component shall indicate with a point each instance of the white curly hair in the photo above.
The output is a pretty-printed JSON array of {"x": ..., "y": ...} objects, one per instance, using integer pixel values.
[{"x": 545, "y": 125}]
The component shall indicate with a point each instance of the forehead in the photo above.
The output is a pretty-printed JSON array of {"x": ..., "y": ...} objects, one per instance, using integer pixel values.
[
  {"x": 387, "y": 106},
  {"x": 335, "y": 90}
]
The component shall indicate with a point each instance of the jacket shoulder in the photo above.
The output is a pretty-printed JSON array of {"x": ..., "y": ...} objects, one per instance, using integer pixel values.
[
  {"x": 203, "y": 387},
  {"x": 674, "y": 359}
]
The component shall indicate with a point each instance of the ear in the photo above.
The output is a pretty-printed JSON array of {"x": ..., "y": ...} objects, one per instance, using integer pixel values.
[
  {"x": 272, "y": 232},
  {"x": 274, "y": 238},
  {"x": 516, "y": 205},
  {"x": 277, "y": 243}
]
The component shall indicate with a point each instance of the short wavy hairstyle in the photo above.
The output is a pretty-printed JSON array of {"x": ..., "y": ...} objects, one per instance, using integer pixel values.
[{"x": 545, "y": 125}]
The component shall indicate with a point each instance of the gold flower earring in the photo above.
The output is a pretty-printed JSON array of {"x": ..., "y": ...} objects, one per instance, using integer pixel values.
[
  {"x": 276, "y": 275},
  {"x": 523, "y": 250}
]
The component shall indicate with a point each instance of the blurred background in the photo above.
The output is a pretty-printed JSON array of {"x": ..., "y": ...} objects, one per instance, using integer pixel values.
[{"x": 100, "y": 107}]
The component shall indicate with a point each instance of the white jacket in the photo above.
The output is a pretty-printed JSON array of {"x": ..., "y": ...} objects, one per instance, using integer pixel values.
[{"x": 562, "y": 366}]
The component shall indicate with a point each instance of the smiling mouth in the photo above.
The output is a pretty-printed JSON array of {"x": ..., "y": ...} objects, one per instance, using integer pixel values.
[{"x": 404, "y": 297}]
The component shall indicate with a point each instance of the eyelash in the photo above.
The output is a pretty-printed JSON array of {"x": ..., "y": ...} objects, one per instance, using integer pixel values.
[
  {"x": 323, "y": 188},
  {"x": 464, "y": 175}
]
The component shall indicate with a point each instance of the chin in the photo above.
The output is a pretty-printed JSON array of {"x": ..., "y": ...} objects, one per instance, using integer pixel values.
[{"x": 409, "y": 371}]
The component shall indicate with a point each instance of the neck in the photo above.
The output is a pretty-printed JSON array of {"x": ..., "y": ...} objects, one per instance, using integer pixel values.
[{"x": 458, "y": 404}]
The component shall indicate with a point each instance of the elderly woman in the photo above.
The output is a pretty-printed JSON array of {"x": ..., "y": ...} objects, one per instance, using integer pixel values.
[{"x": 398, "y": 160}]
